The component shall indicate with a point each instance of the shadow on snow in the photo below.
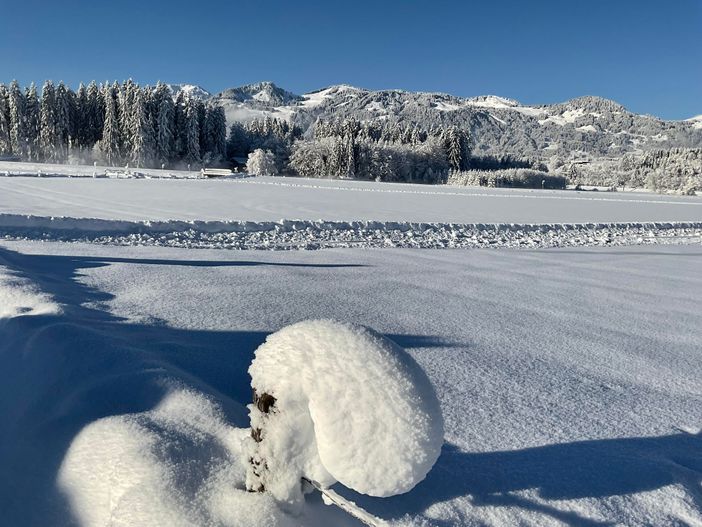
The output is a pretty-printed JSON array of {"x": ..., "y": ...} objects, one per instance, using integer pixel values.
[{"x": 61, "y": 372}]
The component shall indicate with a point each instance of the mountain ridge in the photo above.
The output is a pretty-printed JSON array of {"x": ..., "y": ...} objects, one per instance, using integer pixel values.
[{"x": 588, "y": 124}]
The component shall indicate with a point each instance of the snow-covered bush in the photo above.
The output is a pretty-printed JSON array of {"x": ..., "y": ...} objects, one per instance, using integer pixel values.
[
  {"x": 261, "y": 163},
  {"x": 339, "y": 402},
  {"x": 511, "y": 177}
]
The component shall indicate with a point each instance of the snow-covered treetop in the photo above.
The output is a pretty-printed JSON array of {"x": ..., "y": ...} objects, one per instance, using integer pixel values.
[{"x": 591, "y": 103}]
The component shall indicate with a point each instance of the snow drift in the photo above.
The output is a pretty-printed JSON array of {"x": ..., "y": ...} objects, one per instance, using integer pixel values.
[
  {"x": 305, "y": 234},
  {"x": 178, "y": 465},
  {"x": 339, "y": 402}
]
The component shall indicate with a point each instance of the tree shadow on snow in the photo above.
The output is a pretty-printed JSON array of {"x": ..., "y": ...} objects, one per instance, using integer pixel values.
[
  {"x": 61, "y": 372},
  {"x": 583, "y": 469}
]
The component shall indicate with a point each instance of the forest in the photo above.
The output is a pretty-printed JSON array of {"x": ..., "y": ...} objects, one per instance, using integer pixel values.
[{"x": 113, "y": 124}]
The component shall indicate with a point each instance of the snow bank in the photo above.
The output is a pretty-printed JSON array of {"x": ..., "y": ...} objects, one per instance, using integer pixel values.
[
  {"x": 349, "y": 406},
  {"x": 304, "y": 234},
  {"x": 48, "y": 170},
  {"x": 178, "y": 465}
]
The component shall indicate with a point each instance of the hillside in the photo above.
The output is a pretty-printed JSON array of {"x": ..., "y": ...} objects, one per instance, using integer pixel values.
[{"x": 591, "y": 125}]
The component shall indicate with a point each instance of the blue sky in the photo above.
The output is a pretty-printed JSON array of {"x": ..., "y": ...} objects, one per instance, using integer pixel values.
[{"x": 645, "y": 54}]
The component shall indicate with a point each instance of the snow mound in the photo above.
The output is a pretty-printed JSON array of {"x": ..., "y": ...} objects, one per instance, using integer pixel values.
[
  {"x": 178, "y": 465},
  {"x": 349, "y": 406}
]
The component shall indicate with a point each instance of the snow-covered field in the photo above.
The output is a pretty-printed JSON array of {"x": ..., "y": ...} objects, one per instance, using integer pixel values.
[
  {"x": 284, "y": 213},
  {"x": 568, "y": 375},
  {"x": 270, "y": 199},
  {"x": 569, "y": 380}
]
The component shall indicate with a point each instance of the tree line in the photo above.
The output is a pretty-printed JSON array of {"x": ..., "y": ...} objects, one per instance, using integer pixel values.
[
  {"x": 110, "y": 123},
  {"x": 348, "y": 148}
]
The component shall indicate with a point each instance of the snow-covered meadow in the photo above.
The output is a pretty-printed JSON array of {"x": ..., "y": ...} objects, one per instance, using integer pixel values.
[
  {"x": 568, "y": 380},
  {"x": 287, "y": 213},
  {"x": 568, "y": 375}
]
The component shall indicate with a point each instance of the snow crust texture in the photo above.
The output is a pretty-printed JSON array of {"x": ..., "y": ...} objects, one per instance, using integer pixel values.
[{"x": 350, "y": 406}]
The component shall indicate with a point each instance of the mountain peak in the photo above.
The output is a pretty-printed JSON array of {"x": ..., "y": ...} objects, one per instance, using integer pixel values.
[
  {"x": 189, "y": 90},
  {"x": 265, "y": 92}
]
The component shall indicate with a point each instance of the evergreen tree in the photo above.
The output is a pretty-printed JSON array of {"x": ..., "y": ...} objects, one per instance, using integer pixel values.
[
  {"x": 142, "y": 138},
  {"x": 17, "y": 119},
  {"x": 165, "y": 124},
  {"x": 5, "y": 125},
  {"x": 192, "y": 131},
  {"x": 81, "y": 132},
  {"x": 94, "y": 114},
  {"x": 216, "y": 131},
  {"x": 238, "y": 141},
  {"x": 31, "y": 124},
  {"x": 125, "y": 103},
  {"x": 109, "y": 144},
  {"x": 337, "y": 162},
  {"x": 457, "y": 144},
  {"x": 202, "y": 121},
  {"x": 48, "y": 137},
  {"x": 62, "y": 122},
  {"x": 180, "y": 129}
]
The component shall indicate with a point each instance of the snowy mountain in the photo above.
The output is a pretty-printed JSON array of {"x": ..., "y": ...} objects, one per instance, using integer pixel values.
[
  {"x": 265, "y": 93},
  {"x": 256, "y": 101},
  {"x": 190, "y": 90},
  {"x": 589, "y": 124}
]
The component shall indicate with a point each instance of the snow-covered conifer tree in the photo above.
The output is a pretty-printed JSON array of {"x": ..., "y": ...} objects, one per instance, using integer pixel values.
[
  {"x": 94, "y": 114},
  {"x": 5, "y": 126},
  {"x": 109, "y": 144},
  {"x": 180, "y": 129},
  {"x": 202, "y": 129},
  {"x": 48, "y": 137},
  {"x": 216, "y": 129},
  {"x": 125, "y": 104},
  {"x": 457, "y": 144},
  {"x": 192, "y": 133},
  {"x": 62, "y": 122},
  {"x": 31, "y": 123},
  {"x": 17, "y": 119},
  {"x": 165, "y": 124},
  {"x": 141, "y": 138},
  {"x": 80, "y": 118}
]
